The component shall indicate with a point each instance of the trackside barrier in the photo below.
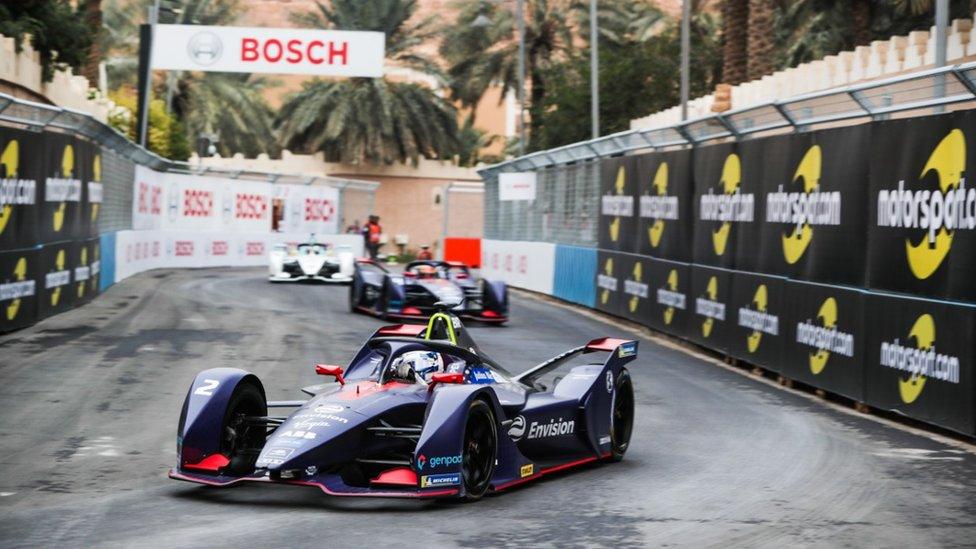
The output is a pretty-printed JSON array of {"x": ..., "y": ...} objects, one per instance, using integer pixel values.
[
  {"x": 108, "y": 261},
  {"x": 528, "y": 265},
  {"x": 574, "y": 270}
]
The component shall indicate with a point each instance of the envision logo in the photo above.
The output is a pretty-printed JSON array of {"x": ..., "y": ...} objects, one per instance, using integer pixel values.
[
  {"x": 824, "y": 337},
  {"x": 17, "y": 289},
  {"x": 63, "y": 189},
  {"x": 730, "y": 207},
  {"x": 920, "y": 362},
  {"x": 635, "y": 288},
  {"x": 949, "y": 207},
  {"x": 607, "y": 281},
  {"x": 13, "y": 191},
  {"x": 57, "y": 278}
]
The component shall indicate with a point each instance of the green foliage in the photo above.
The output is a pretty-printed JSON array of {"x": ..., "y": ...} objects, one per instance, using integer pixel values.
[
  {"x": 471, "y": 141},
  {"x": 166, "y": 137},
  {"x": 57, "y": 30},
  {"x": 372, "y": 119}
]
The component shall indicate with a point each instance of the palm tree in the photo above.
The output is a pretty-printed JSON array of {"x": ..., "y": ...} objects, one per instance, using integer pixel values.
[
  {"x": 372, "y": 119},
  {"x": 480, "y": 56},
  {"x": 735, "y": 27},
  {"x": 761, "y": 43},
  {"x": 93, "y": 18}
]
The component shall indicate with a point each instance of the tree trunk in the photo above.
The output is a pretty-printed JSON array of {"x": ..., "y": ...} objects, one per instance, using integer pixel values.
[
  {"x": 93, "y": 17},
  {"x": 735, "y": 26},
  {"x": 861, "y": 21},
  {"x": 762, "y": 49}
]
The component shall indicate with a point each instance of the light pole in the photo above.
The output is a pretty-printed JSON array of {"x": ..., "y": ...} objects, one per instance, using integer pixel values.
[
  {"x": 685, "y": 47},
  {"x": 594, "y": 73}
]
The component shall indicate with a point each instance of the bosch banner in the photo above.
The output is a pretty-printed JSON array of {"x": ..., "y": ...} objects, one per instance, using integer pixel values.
[
  {"x": 663, "y": 207},
  {"x": 824, "y": 337},
  {"x": 920, "y": 360},
  {"x": 19, "y": 273},
  {"x": 670, "y": 307},
  {"x": 148, "y": 200},
  {"x": 922, "y": 219},
  {"x": 21, "y": 171},
  {"x": 308, "y": 208},
  {"x": 268, "y": 50},
  {"x": 711, "y": 320},
  {"x": 618, "y": 209},
  {"x": 815, "y": 205},
  {"x": 724, "y": 202},
  {"x": 528, "y": 265},
  {"x": 55, "y": 290},
  {"x": 756, "y": 320}
]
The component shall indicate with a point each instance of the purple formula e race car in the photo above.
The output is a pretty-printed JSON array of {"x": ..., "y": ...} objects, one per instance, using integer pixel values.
[{"x": 420, "y": 411}]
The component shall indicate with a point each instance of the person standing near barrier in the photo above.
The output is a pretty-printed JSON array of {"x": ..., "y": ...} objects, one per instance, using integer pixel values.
[{"x": 371, "y": 235}]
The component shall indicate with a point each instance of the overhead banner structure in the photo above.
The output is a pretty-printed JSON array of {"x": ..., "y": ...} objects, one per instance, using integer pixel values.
[
  {"x": 921, "y": 360},
  {"x": 268, "y": 50},
  {"x": 922, "y": 219},
  {"x": 663, "y": 206}
]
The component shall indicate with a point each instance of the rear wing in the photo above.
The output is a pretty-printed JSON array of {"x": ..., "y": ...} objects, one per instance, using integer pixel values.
[{"x": 622, "y": 350}]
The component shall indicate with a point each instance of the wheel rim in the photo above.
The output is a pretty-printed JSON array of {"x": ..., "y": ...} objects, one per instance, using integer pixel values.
[
  {"x": 241, "y": 442},
  {"x": 479, "y": 452},
  {"x": 623, "y": 417}
]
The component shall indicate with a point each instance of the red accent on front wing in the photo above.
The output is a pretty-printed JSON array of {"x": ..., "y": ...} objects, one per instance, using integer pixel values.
[
  {"x": 401, "y": 476},
  {"x": 213, "y": 462},
  {"x": 412, "y": 330},
  {"x": 549, "y": 470},
  {"x": 490, "y": 314},
  {"x": 173, "y": 474}
]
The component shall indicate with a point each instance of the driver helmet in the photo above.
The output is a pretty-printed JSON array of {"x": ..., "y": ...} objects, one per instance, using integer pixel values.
[
  {"x": 426, "y": 271},
  {"x": 413, "y": 364}
]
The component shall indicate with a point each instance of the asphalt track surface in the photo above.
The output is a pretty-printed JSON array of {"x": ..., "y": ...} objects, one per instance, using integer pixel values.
[{"x": 91, "y": 399}]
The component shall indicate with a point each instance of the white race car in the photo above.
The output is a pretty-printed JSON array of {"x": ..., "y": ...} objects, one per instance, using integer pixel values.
[{"x": 311, "y": 261}]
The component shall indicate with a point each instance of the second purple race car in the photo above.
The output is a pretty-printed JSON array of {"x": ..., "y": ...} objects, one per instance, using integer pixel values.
[{"x": 420, "y": 411}]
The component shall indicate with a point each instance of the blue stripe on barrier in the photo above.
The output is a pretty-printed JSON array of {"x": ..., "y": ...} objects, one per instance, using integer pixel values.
[
  {"x": 107, "y": 265},
  {"x": 575, "y": 272}
]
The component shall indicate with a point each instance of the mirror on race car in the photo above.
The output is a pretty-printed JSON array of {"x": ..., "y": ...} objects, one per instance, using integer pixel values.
[
  {"x": 330, "y": 370},
  {"x": 445, "y": 377}
]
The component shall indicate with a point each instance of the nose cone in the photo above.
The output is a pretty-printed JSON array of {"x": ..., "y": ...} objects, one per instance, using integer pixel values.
[
  {"x": 311, "y": 264},
  {"x": 304, "y": 438}
]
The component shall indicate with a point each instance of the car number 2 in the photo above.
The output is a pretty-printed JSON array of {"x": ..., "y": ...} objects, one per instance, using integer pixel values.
[{"x": 207, "y": 388}]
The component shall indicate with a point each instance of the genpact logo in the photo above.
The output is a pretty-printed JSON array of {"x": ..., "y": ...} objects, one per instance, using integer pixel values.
[
  {"x": 617, "y": 205},
  {"x": 920, "y": 362},
  {"x": 659, "y": 206},
  {"x": 939, "y": 212},
  {"x": 824, "y": 337},
  {"x": 731, "y": 206}
]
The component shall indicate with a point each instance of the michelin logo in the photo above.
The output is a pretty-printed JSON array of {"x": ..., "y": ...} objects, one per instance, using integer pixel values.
[{"x": 433, "y": 481}]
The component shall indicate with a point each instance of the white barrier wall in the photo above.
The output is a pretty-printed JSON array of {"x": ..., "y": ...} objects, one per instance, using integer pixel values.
[
  {"x": 138, "y": 251},
  {"x": 190, "y": 202},
  {"x": 522, "y": 264}
]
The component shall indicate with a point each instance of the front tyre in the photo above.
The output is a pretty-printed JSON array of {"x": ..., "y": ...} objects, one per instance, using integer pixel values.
[
  {"x": 621, "y": 416},
  {"x": 479, "y": 450},
  {"x": 240, "y": 440}
]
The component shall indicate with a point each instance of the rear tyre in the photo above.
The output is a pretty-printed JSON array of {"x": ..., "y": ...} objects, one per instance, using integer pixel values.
[
  {"x": 240, "y": 442},
  {"x": 621, "y": 416},
  {"x": 479, "y": 450},
  {"x": 353, "y": 298}
]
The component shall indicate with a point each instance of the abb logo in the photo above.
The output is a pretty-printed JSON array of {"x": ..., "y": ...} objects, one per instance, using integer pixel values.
[
  {"x": 511, "y": 263},
  {"x": 294, "y": 51},
  {"x": 318, "y": 209},
  {"x": 150, "y": 199},
  {"x": 219, "y": 247},
  {"x": 250, "y": 206},
  {"x": 141, "y": 250},
  {"x": 197, "y": 203},
  {"x": 254, "y": 248},
  {"x": 183, "y": 248}
]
